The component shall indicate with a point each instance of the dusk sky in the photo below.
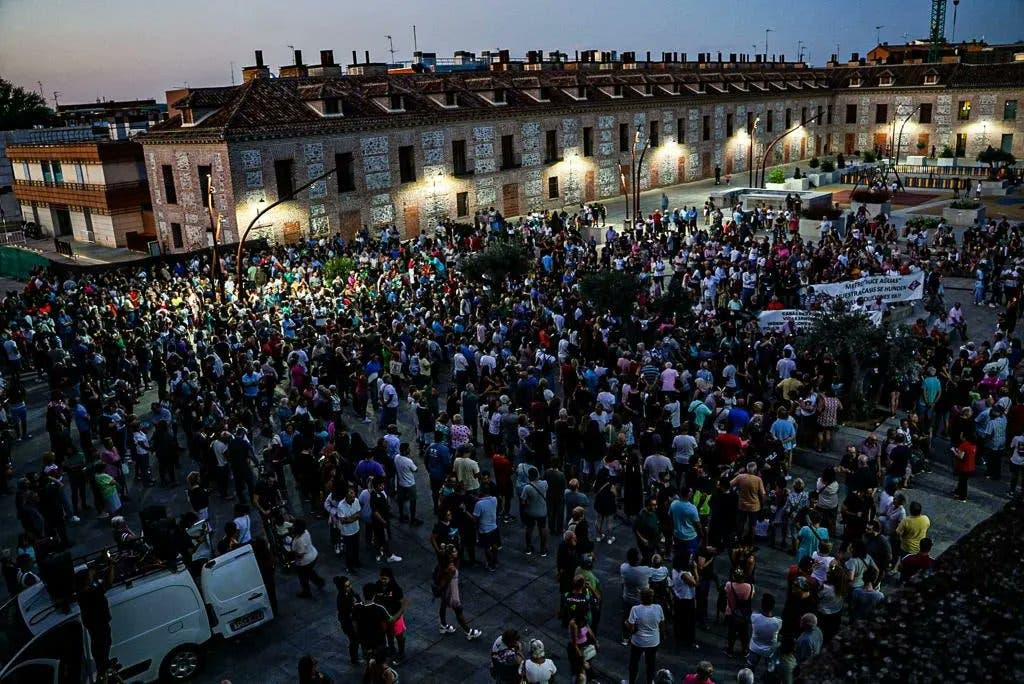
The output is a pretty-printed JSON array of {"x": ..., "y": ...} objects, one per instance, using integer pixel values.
[{"x": 121, "y": 49}]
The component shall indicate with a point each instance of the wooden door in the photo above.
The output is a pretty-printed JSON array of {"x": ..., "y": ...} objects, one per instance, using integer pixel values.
[
  {"x": 510, "y": 199},
  {"x": 817, "y": 146},
  {"x": 412, "y": 220},
  {"x": 881, "y": 142},
  {"x": 705, "y": 165},
  {"x": 653, "y": 175},
  {"x": 292, "y": 232},
  {"x": 786, "y": 147},
  {"x": 351, "y": 222},
  {"x": 923, "y": 141},
  {"x": 589, "y": 193},
  {"x": 728, "y": 165},
  {"x": 848, "y": 143},
  {"x": 681, "y": 171},
  {"x": 803, "y": 148}
]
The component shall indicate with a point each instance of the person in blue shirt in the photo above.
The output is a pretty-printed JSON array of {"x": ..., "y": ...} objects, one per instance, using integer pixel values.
[
  {"x": 686, "y": 526},
  {"x": 785, "y": 433},
  {"x": 438, "y": 459}
]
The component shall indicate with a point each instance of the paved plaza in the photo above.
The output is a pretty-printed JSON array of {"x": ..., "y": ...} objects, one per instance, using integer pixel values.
[{"x": 522, "y": 594}]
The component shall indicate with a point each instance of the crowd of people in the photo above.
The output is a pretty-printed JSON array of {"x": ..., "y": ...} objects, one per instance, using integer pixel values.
[{"x": 351, "y": 376}]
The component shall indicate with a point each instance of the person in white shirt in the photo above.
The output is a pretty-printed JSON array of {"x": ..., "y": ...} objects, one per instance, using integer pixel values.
[
  {"x": 305, "y": 555},
  {"x": 538, "y": 669},
  {"x": 764, "y": 632},
  {"x": 348, "y": 511},
  {"x": 405, "y": 469}
]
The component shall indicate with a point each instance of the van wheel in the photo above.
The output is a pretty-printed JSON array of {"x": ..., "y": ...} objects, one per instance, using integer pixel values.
[{"x": 181, "y": 664}]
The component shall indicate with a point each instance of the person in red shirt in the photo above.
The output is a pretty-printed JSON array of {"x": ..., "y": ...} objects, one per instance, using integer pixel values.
[
  {"x": 964, "y": 457},
  {"x": 702, "y": 675},
  {"x": 730, "y": 447},
  {"x": 913, "y": 563}
]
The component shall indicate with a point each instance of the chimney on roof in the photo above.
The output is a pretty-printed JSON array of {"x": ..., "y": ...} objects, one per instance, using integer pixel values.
[
  {"x": 355, "y": 59},
  {"x": 327, "y": 67},
  {"x": 719, "y": 56},
  {"x": 732, "y": 57},
  {"x": 503, "y": 56},
  {"x": 259, "y": 70},
  {"x": 683, "y": 56},
  {"x": 367, "y": 55},
  {"x": 298, "y": 58},
  {"x": 648, "y": 55},
  {"x": 297, "y": 70}
]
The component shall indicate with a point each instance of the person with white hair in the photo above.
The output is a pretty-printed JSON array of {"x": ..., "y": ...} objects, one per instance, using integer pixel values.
[
  {"x": 538, "y": 669},
  {"x": 745, "y": 676}
]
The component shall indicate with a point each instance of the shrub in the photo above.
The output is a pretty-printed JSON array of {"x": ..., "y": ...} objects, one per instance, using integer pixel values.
[
  {"x": 925, "y": 222},
  {"x": 868, "y": 157},
  {"x": 818, "y": 213},
  {"x": 497, "y": 261},
  {"x": 814, "y": 162},
  {"x": 921, "y": 145},
  {"x": 827, "y": 166},
  {"x": 796, "y": 173},
  {"x": 338, "y": 267},
  {"x": 869, "y": 196},
  {"x": 841, "y": 161},
  {"x": 947, "y": 152},
  {"x": 776, "y": 175},
  {"x": 965, "y": 204},
  {"x": 612, "y": 291}
]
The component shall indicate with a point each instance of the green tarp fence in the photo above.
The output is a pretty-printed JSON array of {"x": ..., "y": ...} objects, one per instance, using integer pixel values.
[{"x": 19, "y": 263}]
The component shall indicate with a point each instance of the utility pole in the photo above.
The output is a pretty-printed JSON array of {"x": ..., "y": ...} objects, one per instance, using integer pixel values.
[
  {"x": 878, "y": 39},
  {"x": 232, "y": 73}
]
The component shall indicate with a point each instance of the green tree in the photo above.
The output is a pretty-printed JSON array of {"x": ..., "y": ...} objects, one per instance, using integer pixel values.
[
  {"x": 612, "y": 291},
  {"x": 992, "y": 157},
  {"x": 20, "y": 108},
  {"x": 497, "y": 262},
  {"x": 338, "y": 267},
  {"x": 854, "y": 341}
]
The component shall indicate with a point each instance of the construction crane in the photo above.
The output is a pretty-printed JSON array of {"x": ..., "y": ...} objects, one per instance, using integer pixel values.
[{"x": 937, "y": 35}]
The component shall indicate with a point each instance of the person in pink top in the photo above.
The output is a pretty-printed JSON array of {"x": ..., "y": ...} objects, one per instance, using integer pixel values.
[{"x": 668, "y": 378}]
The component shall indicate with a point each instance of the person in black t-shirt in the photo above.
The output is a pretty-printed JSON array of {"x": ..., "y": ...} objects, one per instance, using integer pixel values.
[
  {"x": 391, "y": 596},
  {"x": 95, "y": 612},
  {"x": 371, "y": 622}
]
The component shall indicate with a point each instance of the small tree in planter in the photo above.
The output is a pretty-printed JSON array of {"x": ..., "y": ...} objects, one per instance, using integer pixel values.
[
  {"x": 921, "y": 146},
  {"x": 867, "y": 157},
  {"x": 947, "y": 152},
  {"x": 497, "y": 262},
  {"x": 841, "y": 161},
  {"x": 992, "y": 156},
  {"x": 814, "y": 162},
  {"x": 828, "y": 167},
  {"x": 612, "y": 291},
  {"x": 776, "y": 175}
]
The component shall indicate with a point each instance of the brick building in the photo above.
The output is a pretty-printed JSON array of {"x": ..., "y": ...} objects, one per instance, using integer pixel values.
[
  {"x": 541, "y": 133},
  {"x": 89, "y": 190}
]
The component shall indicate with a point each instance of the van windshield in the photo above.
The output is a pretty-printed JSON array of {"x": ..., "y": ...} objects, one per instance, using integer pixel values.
[{"x": 14, "y": 633}]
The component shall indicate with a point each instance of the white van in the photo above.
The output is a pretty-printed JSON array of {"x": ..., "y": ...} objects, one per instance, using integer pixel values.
[{"x": 160, "y": 623}]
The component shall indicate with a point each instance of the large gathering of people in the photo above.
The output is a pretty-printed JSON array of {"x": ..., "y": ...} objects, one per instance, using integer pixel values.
[{"x": 353, "y": 390}]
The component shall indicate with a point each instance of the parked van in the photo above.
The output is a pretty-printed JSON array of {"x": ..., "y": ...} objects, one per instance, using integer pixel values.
[{"x": 160, "y": 624}]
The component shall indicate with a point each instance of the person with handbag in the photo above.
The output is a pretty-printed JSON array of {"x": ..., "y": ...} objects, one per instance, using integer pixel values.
[
  {"x": 582, "y": 648},
  {"x": 738, "y": 595}
]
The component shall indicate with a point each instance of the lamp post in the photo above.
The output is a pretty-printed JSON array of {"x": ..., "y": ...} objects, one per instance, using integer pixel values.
[
  {"x": 643, "y": 143},
  {"x": 625, "y": 191},
  {"x": 769, "y": 146},
  {"x": 245, "y": 234},
  {"x": 750, "y": 152},
  {"x": 766, "y": 32},
  {"x": 214, "y": 229}
]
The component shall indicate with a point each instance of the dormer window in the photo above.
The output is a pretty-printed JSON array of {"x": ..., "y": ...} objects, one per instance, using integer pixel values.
[
  {"x": 647, "y": 89},
  {"x": 581, "y": 92},
  {"x": 499, "y": 96},
  {"x": 617, "y": 91},
  {"x": 885, "y": 80},
  {"x": 396, "y": 103},
  {"x": 450, "y": 99},
  {"x": 855, "y": 81},
  {"x": 676, "y": 88},
  {"x": 545, "y": 93},
  {"x": 332, "y": 106},
  {"x": 186, "y": 117},
  {"x": 931, "y": 79}
]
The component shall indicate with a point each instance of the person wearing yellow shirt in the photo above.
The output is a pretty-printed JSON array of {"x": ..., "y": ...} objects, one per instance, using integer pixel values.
[{"x": 912, "y": 529}]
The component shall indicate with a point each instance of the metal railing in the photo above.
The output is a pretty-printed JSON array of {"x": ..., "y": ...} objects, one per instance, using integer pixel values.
[
  {"x": 68, "y": 185},
  {"x": 12, "y": 237}
]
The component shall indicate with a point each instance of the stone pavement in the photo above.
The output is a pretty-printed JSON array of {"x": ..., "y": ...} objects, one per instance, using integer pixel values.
[{"x": 521, "y": 595}]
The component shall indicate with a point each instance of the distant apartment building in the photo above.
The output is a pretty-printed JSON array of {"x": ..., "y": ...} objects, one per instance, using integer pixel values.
[
  {"x": 87, "y": 190},
  {"x": 542, "y": 133}
]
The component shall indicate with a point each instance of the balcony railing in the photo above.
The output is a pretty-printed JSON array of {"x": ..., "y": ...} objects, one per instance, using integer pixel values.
[{"x": 87, "y": 187}]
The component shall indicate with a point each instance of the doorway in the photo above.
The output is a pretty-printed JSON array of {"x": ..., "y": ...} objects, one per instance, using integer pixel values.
[
  {"x": 961, "y": 144},
  {"x": 588, "y": 186},
  {"x": 412, "y": 220},
  {"x": 510, "y": 199},
  {"x": 61, "y": 222},
  {"x": 848, "y": 143}
]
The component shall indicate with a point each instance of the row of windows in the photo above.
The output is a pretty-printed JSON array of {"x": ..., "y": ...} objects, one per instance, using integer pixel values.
[
  {"x": 345, "y": 161},
  {"x": 53, "y": 171}
]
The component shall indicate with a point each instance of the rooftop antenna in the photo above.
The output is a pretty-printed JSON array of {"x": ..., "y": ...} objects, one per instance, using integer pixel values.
[
  {"x": 232, "y": 73},
  {"x": 414, "y": 48},
  {"x": 56, "y": 94},
  {"x": 391, "y": 49},
  {"x": 878, "y": 40},
  {"x": 40, "y": 84}
]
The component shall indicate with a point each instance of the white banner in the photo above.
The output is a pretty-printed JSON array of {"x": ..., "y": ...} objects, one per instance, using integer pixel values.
[
  {"x": 890, "y": 288},
  {"x": 802, "y": 320}
]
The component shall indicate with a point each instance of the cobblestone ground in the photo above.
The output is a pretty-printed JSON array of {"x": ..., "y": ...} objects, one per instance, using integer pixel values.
[{"x": 521, "y": 595}]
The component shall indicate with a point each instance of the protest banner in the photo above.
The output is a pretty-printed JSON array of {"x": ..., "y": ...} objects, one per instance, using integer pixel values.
[
  {"x": 775, "y": 320},
  {"x": 903, "y": 288}
]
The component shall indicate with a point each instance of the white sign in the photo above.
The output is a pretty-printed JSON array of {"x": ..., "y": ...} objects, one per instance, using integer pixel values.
[
  {"x": 890, "y": 288},
  {"x": 801, "y": 320}
]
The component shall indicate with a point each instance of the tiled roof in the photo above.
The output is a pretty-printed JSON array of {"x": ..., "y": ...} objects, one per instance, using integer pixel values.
[{"x": 271, "y": 106}]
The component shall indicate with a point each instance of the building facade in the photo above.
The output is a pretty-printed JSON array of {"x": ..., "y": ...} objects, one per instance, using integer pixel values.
[
  {"x": 88, "y": 190},
  {"x": 409, "y": 149}
]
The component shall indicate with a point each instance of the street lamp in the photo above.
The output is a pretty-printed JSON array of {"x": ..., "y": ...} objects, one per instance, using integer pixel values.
[
  {"x": 766, "y": 32},
  {"x": 750, "y": 151},
  {"x": 643, "y": 143},
  {"x": 769, "y": 146}
]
